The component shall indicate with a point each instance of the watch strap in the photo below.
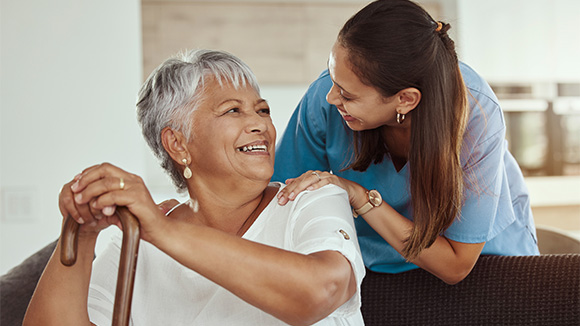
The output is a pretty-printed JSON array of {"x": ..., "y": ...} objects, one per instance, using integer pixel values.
[
  {"x": 374, "y": 200},
  {"x": 364, "y": 209}
]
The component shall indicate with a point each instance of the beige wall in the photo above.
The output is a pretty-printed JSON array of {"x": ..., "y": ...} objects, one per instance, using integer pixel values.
[{"x": 282, "y": 41}]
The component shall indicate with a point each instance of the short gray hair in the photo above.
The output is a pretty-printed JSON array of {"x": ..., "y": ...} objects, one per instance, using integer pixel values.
[{"x": 174, "y": 90}]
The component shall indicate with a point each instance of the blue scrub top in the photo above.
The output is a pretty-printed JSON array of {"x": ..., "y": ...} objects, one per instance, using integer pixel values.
[{"x": 496, "y": 210}]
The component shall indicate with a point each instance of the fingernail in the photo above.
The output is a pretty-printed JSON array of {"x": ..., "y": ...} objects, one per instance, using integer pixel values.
[
  {"x": 281, "y": 201},
  {"x": 292, "y": 195},
  {"x": 109, "y": 210},
  {"x": 75, "y": 186},
  {"x": 80, "y": 220},
  {"x": 310, "y": 188},
  {"x": 78, "y": 176},
  {"x": 78, "y": 198},
  {"x": 98, "y": 216}
]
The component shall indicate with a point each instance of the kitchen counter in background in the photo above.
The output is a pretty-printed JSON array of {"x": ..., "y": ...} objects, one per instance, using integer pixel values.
[{"x": 556, "y": 202}]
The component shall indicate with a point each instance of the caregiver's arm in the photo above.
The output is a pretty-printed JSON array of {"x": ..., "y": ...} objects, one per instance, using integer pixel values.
[{"x": 449, "y": 260}]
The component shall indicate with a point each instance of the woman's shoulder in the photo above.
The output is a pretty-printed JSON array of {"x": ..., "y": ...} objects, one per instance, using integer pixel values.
[
  {"x": 329, "y": 190},
  {"x": 318, "y": 89},
  {"x": 308, "y": 196},
  {"x": 328, "y": 195},
  {"x": 474, "y": 81},
  {"x": 486, "y": 116},
  {"x": 323, "y": 81},
  {"x": 313, "y": 110}
]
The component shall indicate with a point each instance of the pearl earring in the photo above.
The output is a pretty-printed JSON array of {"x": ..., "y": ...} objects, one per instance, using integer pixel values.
[{"x": 187, "y": 172}]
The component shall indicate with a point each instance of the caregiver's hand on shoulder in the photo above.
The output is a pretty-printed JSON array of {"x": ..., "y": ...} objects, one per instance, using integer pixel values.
[
  {"x": 312, "y": 180},
  {"x": 99, "y": 189}
]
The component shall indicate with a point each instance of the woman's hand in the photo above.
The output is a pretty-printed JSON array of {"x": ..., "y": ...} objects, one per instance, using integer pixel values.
[
  {"x": 99, "y": 189},
  {"x": 92, "y": 221},
  {"x": 312, "y": 180}
]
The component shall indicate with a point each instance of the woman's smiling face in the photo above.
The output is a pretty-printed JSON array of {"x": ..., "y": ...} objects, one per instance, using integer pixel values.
[
  {"x": 361, "y": 106},
  {"x": 232, "y": 133}
]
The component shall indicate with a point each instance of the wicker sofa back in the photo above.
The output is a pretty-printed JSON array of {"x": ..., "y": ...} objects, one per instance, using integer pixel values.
[{"x": 500, "y": 290}]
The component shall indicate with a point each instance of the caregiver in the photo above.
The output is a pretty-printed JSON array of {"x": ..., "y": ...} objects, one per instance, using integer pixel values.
[{"x": 417, "y": 139}]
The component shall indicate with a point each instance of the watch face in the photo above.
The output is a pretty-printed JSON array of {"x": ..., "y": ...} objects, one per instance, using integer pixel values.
[{"x": 375, "y": 198}]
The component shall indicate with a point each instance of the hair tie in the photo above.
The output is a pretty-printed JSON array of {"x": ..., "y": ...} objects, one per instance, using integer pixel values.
[{"x": 439, "y": 27}]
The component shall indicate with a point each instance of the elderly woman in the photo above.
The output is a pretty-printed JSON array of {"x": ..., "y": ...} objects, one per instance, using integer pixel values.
[{"x": 230, "y": 255}]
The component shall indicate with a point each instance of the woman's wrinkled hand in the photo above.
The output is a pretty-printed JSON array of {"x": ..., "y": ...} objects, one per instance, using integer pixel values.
[
  {"x": 92, "y": 196},
  {"x": 92, "y": 221},
  {"x": 312, "y": 180}
]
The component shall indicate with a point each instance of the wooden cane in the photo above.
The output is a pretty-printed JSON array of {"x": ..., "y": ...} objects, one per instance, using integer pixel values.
[{"x": 127, "y": 263}]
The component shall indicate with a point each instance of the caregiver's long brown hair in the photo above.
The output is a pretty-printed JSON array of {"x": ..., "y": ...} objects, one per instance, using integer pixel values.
[
  {"x": 393, "y": 45},
  {"x": 127, "y": 263}
]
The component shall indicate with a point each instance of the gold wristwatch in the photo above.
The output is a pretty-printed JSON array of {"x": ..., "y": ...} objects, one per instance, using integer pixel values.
[{"x": 375, "y": 200}]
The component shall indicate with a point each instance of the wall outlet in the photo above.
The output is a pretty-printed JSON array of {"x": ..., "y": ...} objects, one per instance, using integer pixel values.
[{"x": 19, "y": 205}]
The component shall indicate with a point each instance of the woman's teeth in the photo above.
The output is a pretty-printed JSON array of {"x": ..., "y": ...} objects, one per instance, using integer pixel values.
[{"x": 251, "y": 148}]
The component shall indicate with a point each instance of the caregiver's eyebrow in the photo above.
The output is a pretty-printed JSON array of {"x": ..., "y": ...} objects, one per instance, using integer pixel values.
[
  {"x": 335, "y": 83},
  {"x": 342, "y": 88}
]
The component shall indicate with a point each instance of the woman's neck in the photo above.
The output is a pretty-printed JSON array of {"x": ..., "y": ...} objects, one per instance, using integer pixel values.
[
  {"x": 228, "y": 208},
  {"x": 398, "y": 142}
]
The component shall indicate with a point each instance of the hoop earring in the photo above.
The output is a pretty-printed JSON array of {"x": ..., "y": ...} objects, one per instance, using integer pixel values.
[
  {"x": 400, "y": 118},
  {"x": 187, "y": 172}
]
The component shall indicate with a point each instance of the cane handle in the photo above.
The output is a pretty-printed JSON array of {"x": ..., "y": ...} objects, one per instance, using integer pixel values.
[{"x": 127, "y": 263}]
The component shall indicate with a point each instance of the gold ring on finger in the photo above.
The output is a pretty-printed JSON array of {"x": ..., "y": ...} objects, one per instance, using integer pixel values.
[
  {"x": 318, "y": 175},
  {"x": 121, "y": 183}
]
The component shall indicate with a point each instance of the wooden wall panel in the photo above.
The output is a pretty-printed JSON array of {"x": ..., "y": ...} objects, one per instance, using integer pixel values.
[{"x": 283, "y": 42}]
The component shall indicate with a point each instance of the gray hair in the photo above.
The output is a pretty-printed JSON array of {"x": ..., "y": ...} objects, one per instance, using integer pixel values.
[{"x": 174, "y": 90}]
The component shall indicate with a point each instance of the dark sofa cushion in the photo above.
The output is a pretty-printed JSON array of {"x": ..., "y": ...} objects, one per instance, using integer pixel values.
[{"x": 17, "y": 286}]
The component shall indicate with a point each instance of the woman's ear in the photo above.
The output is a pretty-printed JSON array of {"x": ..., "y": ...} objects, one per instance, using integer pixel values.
[
  {"x": 175, "y": 143},
  {"x": 408, "y": 99}
]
